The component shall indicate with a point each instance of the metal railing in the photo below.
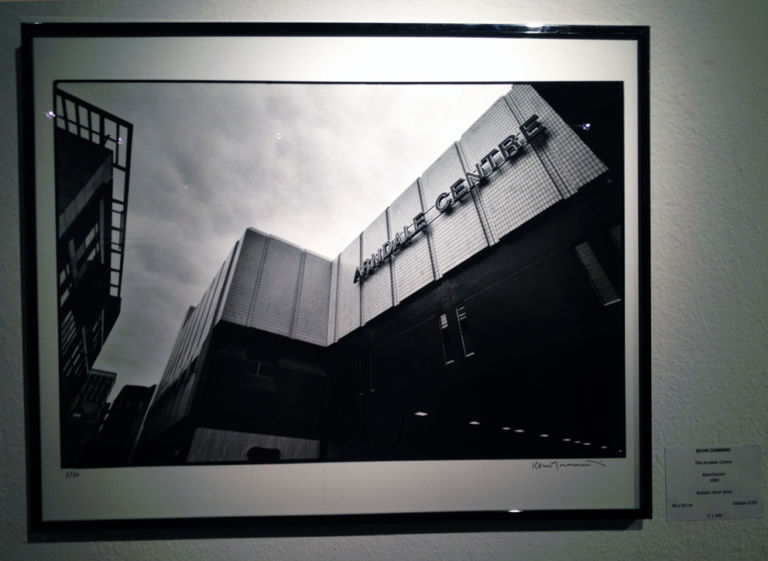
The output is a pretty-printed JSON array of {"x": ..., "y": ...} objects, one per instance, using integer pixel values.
[{"x": 100, "y": 127}]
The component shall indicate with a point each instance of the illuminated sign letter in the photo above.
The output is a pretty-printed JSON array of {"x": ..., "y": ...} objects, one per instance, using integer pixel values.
[
  {"x": 490, "y": 161},
  {"x": 509, "y": 147},
  {"x": 441, "y": 204},
  {"x": 407, "y": 233},
  {"x": 458, "y": 190},
  {"x": 476, "y": 179},
  {"x": 531, "y": 128},
  {"x": 419, "y": 223}
]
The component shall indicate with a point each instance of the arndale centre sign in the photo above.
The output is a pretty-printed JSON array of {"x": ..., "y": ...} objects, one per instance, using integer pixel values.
[{"x": 507, "y": 150}]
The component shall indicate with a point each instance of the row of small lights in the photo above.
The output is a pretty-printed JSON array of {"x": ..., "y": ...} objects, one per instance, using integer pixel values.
[{"x": 519, "y": 431}]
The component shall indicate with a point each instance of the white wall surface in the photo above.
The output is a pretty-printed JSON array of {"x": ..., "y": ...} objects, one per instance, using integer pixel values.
[{"x": 709, "y": 174}]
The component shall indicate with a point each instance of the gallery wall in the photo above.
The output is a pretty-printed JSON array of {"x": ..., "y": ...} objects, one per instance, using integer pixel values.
[{"x": 709, "y": 175}]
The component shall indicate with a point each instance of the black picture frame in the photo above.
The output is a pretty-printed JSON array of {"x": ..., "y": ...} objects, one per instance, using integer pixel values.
[{"x": 52, "y": 54}]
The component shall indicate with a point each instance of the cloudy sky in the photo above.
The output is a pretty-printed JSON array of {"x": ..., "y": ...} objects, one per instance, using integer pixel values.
[{"x": 312, "y": 164}]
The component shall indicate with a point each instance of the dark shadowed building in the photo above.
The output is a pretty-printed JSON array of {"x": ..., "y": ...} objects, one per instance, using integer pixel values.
[
  {"x": 88, "y": 410},
  {"x": 92, "y": 159},
  {"x": 120, "y": 429}
]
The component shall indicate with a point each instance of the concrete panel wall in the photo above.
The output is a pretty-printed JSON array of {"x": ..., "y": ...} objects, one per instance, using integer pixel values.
[
  {"x": 333, "y": 299},
  {"x": 279, "y": 288},
  {"x": 348, "y": 292},
  {"x": 413, "y": 264},
  {"x": 245, "y": 276},
  {"x": 457, "y": 234},
  {"x": 274, "y": 303},
  {"x": 312, "y": 310},
  {"x": 377, "y": 289},
  {"x": 521, "y": 188}
]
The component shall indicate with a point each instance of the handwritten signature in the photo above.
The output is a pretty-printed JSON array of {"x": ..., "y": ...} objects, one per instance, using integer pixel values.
[{"x": 556, "y": 465}]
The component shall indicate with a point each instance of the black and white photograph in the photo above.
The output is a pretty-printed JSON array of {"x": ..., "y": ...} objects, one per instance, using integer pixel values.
[
  {"x": 471, "y": 310},
  {"x": 267, "y": 288}
]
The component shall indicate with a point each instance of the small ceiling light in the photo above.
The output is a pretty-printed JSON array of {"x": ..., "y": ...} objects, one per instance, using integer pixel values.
[
  {"x": 544, "y": 435},
  {"x": 587, "y": 444},
  {"x": 421, "y": 413},
  {"x": 566, "y": 440},
  {"x": 474, "y": 423},
  {"x": 506, "y": 428},
  {"x": 519, "y": 431},
  {"x": 514, "y": 510},
  {"x": 603, "y": 447}
]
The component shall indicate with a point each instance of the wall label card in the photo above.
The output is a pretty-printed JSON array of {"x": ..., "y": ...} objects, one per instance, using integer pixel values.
[{"x": 717, "y": 482}]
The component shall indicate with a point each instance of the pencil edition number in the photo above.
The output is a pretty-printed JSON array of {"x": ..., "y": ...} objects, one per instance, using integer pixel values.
[{"x": 71, "y": 474}]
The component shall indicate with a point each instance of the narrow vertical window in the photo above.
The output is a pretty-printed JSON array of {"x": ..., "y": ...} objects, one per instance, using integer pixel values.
[
  {"x": 466, "y": 336},
  {"x": 91, "y": 235},
  {"x": 445, "y": 339},
  {"x": 617, "y": 236},
  {"x": 597, "y": 277}
]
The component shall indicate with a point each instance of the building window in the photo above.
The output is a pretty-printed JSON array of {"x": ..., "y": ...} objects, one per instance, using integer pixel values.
[
  {"x": 445, "y": 339},
  {"x": 261, "y": 378},
  {"x": 91, "y": 234},
  {"x": 597, "y": 277},
  {"x": 464, "y": 333},
  {"x": 617, "y": 236}
]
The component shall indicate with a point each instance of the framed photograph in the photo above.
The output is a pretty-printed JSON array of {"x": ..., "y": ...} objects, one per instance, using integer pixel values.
[{"x": 297, "y": 275}]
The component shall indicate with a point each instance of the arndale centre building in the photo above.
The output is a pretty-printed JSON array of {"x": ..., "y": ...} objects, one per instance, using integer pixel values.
[{"x": 480, "y": 315}]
